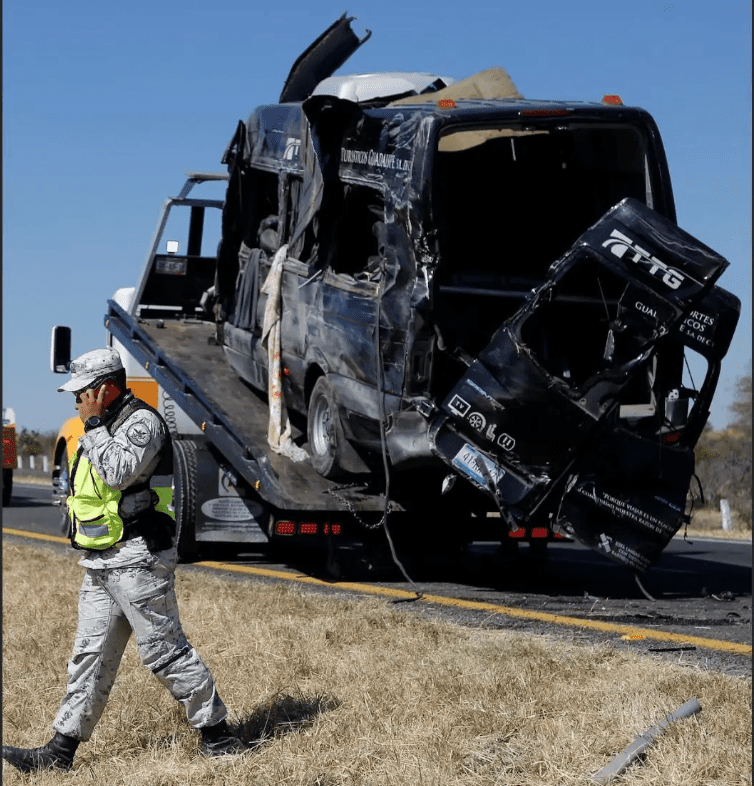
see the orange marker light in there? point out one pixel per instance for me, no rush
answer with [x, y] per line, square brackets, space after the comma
[446, 103]
[612, 99]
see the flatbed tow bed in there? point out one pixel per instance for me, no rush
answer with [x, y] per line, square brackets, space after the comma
[185, 360]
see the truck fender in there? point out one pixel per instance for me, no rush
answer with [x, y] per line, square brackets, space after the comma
[211, 505]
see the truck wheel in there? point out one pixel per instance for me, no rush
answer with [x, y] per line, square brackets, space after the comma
[184, 497]
[61, 477]
[7, 486]
[325, 431]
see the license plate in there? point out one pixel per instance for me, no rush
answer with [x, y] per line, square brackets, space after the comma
[473, 463]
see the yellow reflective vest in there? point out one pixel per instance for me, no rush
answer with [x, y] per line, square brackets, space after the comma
[92, 504]
[93, 507]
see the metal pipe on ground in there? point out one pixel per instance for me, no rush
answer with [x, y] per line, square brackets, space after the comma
[642, 742]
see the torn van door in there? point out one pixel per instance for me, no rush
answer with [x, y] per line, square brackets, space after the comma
[575, 410]
[321, 59]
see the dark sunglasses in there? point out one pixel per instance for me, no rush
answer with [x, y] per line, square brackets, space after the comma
[96, 384]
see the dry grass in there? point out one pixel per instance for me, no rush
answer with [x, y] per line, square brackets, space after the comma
[356, 692]
[707, 523]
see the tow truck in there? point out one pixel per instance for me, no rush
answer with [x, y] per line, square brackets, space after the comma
[431, 308]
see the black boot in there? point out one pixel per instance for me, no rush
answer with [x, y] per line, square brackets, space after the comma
[56, 755]
[219, 740]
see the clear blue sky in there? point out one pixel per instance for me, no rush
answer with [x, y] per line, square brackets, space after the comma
[107, 105]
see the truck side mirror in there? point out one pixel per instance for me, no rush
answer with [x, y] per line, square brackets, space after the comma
[60, 349]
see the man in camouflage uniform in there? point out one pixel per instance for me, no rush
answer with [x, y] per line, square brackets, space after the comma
[130, 559]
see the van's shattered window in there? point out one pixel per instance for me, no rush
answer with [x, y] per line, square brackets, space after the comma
[511, 201]
[354, 250]
[507, 203]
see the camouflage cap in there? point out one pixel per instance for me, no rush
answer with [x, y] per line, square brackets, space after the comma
[91, 366]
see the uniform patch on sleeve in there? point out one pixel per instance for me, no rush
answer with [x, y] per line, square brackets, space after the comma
[139, 434]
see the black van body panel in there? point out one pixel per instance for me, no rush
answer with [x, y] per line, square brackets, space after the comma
[322, 58]
[531, 418]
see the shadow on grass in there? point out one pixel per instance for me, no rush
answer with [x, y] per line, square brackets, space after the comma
[281, 714]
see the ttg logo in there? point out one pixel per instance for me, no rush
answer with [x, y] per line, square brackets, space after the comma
[620, 244]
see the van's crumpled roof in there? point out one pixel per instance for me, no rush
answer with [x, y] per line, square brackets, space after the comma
[491, 83]
[361, 88]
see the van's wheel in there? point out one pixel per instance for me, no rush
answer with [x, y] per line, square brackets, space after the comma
[325, 431]
[185, 473]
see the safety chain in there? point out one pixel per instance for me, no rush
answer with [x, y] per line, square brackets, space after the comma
[342, 487]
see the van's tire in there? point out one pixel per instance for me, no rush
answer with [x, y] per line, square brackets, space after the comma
[325, 432]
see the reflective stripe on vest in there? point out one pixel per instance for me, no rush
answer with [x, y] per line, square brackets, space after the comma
[93, 507]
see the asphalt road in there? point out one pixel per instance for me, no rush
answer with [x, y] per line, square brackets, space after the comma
[697, 594]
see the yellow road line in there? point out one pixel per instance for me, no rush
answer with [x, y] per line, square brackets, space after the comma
[34, 535]
[508, 611]
[470, 605]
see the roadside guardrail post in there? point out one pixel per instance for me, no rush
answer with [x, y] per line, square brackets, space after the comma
[725, 511]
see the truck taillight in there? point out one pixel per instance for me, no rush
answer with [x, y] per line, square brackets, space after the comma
[673, 436]
[535, 533]
[288, 527]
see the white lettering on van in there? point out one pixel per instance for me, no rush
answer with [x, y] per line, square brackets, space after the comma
[374, 159]
[619, 244]
[646, 309]
[695, 326]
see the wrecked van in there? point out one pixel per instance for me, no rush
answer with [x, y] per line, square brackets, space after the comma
[477, 286]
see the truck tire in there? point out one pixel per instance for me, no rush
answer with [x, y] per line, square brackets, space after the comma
[61, 476]
[7, 486]
[325, 431]
[184, 497]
